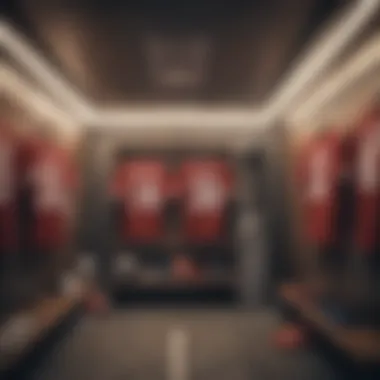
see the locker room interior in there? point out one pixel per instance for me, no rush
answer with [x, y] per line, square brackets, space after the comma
[272, 107]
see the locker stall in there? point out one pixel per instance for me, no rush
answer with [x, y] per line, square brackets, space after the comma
[335, 175]
[40, 190]
[171, 233]
[168, 253]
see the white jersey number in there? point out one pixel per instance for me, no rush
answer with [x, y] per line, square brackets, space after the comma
[207, 193]
[147, 196]
[319, 181]
[50, 188]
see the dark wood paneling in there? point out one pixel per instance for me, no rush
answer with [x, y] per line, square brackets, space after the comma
[98, 45]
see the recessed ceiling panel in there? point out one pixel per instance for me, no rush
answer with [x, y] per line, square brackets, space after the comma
[151, 51]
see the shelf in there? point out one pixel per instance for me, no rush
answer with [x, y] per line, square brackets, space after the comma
[21, 332]
[152, 283]
[360, 343]
[157, 250]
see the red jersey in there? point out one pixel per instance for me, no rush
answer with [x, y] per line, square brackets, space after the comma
[319, 170]
[142, 186]
[366, 179]
[207, 188]
[52, 179]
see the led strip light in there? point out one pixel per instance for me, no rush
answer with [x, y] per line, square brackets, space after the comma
[34, 102]
[326, 49]
[365, 61]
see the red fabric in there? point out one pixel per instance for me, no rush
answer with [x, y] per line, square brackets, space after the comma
[366, 220]
[290, 337]
[206, 187]
[185, 269]
[367, 176]
[96, 302]
[53, 181]
[142, 186]
[318, 175]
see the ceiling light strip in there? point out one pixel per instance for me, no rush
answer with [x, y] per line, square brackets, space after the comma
[187, 117]
[321, 54]
[42, 71]
[367, 60]
[38, 105]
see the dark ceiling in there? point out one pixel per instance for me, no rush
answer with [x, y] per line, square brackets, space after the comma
[100, 45]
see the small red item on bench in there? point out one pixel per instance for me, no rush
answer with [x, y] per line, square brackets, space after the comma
[96, 302]
[290, 336]
[184, 269]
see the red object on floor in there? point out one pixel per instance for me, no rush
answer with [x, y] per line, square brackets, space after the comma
[184, 268]
[290, 337]
[96, 302]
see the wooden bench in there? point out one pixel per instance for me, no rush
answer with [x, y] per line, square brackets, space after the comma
[21, 332]
[362, 344]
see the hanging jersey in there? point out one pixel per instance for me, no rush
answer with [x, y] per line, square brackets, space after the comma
[318, 180]
[366, 180]
[141, 186]
[52, 179]
[207, 188]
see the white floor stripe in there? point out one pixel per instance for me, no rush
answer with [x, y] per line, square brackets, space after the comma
[177, 355]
